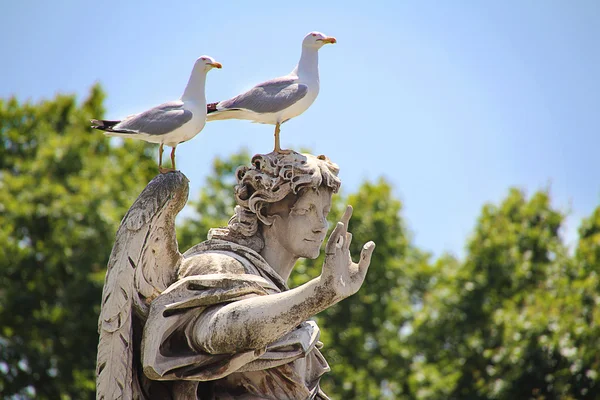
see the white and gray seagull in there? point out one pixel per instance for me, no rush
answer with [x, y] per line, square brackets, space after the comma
[170, 123]
[278, 100]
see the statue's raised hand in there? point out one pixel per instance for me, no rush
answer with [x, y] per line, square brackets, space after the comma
[340, 276]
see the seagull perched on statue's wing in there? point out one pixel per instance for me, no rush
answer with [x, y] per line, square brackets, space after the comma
[169, 123]
[278, 100]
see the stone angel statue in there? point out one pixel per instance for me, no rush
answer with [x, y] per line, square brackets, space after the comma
[219, 321]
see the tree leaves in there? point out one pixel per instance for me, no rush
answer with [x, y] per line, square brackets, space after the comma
[507, 322]
[63, 191]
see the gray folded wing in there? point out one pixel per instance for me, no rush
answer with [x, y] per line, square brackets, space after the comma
[158, 120]
[269, 97]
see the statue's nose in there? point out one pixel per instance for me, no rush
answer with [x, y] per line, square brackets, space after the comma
[321, 227]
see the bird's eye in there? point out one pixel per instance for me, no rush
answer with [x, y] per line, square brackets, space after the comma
[314, 35]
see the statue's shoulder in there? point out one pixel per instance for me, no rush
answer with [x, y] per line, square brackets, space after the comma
[215, 257]
[211, 263]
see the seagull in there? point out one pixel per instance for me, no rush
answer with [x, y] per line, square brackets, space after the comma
[278, 100]
[170, 123]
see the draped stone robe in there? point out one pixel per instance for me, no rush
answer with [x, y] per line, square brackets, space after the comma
[213, 274]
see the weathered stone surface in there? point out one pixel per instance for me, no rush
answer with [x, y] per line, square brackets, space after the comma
[219, 321]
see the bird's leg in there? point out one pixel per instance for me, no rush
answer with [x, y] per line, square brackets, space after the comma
[173, 158]
[160, 151]
[160, 167]
[278, 148]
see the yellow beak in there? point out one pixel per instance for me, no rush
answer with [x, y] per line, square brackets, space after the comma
[329, 39]
[216, 65]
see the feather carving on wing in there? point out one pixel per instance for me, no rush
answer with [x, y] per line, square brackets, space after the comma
[143, 263]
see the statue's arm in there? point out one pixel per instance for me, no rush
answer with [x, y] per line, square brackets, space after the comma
[254, 323]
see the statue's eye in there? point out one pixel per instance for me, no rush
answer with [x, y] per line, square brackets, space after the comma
[300, 211]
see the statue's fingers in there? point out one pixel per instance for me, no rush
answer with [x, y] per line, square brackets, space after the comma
[347, 215]
[365, 257]
[335, 239]
[347, 241]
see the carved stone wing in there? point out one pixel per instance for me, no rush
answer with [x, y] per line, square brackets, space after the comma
[143, 263]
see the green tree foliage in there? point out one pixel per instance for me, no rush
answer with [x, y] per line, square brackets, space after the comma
[63, 192]
[510, 322]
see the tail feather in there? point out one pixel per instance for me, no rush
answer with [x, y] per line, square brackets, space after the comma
[213, 113]
[103, 123]
[211, 107]
[106, 125]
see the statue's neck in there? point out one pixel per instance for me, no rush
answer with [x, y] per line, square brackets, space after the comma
[281, 260]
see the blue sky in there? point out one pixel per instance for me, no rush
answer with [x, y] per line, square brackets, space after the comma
[452, 101]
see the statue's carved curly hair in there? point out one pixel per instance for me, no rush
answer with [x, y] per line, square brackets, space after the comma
[269, 179]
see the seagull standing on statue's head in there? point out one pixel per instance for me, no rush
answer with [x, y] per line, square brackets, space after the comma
[169, 123]
[278, 100]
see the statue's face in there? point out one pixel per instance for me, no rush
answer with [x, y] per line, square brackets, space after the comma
[302, 229]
